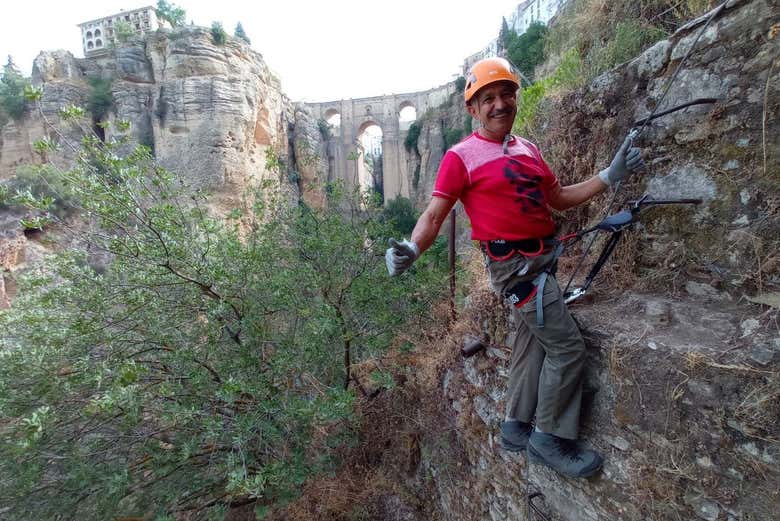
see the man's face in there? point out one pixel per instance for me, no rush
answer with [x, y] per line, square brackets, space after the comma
[495, 106]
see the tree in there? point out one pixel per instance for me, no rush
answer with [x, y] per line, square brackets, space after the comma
[239, 33]
[12, 86]
[208, 363]
[218, 34]
[123, 31]
[526, 51]
[506, 35]
[170, 13]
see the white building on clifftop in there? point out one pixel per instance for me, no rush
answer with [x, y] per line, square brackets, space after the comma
[97, 36]
[526, 13]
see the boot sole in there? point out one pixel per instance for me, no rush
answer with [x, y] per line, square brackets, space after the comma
[535, 457]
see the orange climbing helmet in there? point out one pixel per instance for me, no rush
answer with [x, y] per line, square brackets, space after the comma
[487, 71]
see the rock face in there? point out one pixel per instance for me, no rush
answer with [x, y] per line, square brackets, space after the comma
[682, 389]
[676, 401]
[210, 112]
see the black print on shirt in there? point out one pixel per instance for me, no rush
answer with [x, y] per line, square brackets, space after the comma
[527, 185]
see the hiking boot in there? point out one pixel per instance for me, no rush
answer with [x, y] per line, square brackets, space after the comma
[514, 435]
[563, 455]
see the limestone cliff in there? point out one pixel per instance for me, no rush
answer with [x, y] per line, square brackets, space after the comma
[210, 113]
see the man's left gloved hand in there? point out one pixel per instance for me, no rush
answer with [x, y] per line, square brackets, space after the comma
[400, 255]
[627, 161]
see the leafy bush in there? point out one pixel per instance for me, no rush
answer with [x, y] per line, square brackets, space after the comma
[209, 364]
[412, 135]
[42, 182]
[123, 31]
[460, 84]
[608, 33]
[401, 215]
[171, 13]
[12, 86]
[241, 34]
[568, 75]
[452, 136]
[100, 100]
[526, 51]
[218, 34]
[630, 38]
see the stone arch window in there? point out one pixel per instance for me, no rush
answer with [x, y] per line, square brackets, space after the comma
[98, 43]
[333, 117]
[97, 33]
[89, 34]
[369, 162]
[407, 115]
[90, 45]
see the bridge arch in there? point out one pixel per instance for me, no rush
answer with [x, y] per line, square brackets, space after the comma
[356, 115]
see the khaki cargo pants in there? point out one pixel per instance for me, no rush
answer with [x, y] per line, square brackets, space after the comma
[546, 368]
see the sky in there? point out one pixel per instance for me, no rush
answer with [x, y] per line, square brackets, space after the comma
[321, 51]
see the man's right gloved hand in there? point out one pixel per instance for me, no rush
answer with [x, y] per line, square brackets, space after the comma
[400, 255]
[627, 161]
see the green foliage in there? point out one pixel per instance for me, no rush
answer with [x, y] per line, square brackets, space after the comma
[526, 51]
[401, 215]
[325, 129]
[218, 34]
[42, 183]
[208, 361]
[412, 135]
[606, 34]
[170, 13]
[628, 41]
[239, 33]
[460, 84]
[123, 31]
[12, 88]
[567, 76]
[100, 100]
[452, 136]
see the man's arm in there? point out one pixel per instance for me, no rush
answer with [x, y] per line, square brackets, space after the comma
[565, 197]
[626, 161]
[429, 223]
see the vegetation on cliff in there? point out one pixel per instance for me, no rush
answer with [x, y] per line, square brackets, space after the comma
[173, 362]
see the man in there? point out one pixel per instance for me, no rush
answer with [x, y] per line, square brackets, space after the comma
[507, 191]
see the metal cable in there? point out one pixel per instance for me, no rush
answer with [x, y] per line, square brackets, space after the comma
[637, 133]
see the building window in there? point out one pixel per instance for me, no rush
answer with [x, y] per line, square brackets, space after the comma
[97, 33]
[89, 45]
[127, 18]
[89, 34]
[98, 43]
[138, 26]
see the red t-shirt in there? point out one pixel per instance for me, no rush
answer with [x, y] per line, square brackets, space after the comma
[505, 196]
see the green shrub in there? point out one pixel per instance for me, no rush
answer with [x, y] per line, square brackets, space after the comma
[100, 100]
[123, 31]
[171, 13]
[218, 34]
[412, 135]
[526, 51]
[628, 41]
[12, 85]
[401, 215]
[209, 362]
[452, 136]
[44, 181]
[241, 34]
[460, 84]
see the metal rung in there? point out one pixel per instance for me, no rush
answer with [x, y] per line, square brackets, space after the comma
[536, 509]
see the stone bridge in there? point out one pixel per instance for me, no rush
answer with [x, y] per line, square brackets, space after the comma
[346, 157]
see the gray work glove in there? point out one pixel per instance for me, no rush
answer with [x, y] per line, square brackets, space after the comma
[400, 255]
[627, 161]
